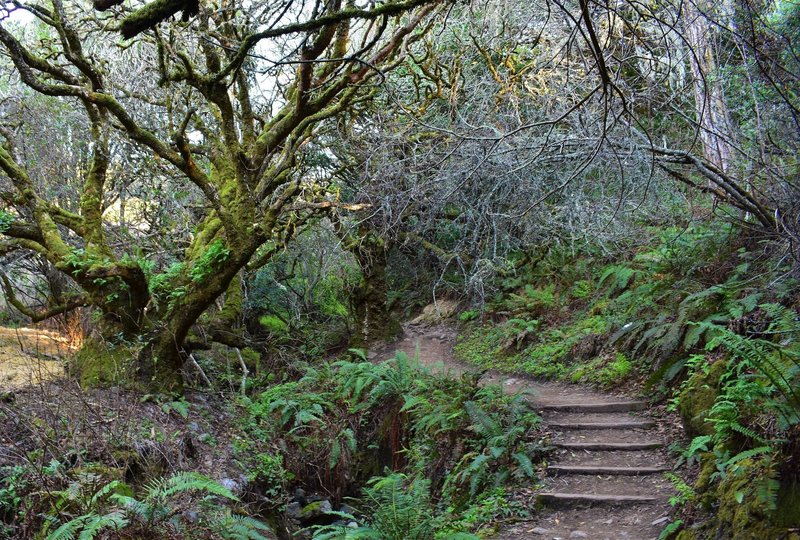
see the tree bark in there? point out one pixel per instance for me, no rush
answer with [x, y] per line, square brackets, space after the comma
[713, 118]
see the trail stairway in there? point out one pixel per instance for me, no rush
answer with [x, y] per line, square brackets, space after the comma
[605, 480]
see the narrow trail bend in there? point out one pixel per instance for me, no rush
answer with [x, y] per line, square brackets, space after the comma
[606, 480]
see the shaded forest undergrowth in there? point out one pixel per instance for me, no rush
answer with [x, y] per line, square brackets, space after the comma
[702, 318]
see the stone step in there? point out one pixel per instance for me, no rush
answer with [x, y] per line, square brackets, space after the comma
[592, 498]
[609, 445]
[609, 407]
[621, 424]
[600, 470]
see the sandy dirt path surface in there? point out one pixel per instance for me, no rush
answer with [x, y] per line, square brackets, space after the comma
[606, 480]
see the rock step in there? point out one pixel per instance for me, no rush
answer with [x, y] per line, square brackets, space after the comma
[592, 498]
[621, 424]
[625, 446]
[609, 407]
[602, 470]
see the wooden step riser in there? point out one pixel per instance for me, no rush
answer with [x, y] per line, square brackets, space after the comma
[604, 471]
[601, 425]
[626, 406]
[609, 446]
[565, 499]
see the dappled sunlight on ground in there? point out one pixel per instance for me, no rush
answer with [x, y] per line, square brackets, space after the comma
[30, 355]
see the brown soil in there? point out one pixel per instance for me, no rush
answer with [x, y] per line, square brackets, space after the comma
[433, 347]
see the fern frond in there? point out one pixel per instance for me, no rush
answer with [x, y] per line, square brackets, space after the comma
[484, 423]
[68, 530]
[113, 520]
[192, 481]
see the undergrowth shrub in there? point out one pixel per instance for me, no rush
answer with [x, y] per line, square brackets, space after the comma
[345, 423]
[166, 507]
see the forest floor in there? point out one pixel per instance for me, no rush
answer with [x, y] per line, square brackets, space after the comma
[606, 479]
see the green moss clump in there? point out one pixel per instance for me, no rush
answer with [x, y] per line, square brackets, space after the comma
[741, 513]
[696, 400]
[787, 511]
[100, 364]
[736, 507]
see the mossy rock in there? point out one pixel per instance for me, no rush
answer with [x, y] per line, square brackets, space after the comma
[735, 509]
[703, 484]
[98, 364]
[696, 400]
[787, 512]
[741, 513]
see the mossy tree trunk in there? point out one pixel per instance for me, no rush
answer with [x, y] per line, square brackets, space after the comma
[374, 320]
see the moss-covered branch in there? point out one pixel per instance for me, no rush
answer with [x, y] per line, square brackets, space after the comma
[41, 314]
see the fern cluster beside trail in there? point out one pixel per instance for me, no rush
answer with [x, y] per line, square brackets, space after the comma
[165, 509]
[705, 316]
[441, 449]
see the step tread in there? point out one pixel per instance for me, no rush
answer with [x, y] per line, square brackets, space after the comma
[622, 424]
[594, 497]
[649, 445]
[600, 407]
[599, 469]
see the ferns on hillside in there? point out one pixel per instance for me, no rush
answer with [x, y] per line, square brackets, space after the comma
[156, 512]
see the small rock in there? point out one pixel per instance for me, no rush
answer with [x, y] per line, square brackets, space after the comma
[315, 509]
[539, 530]
[578, 534]
[352, 525]
[191, 516]
[294, 510]
[194, 426]
[230, 483]
[371, 355]
[660, 520]
[345, 509]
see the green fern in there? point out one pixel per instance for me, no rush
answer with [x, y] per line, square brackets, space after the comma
[89, 526]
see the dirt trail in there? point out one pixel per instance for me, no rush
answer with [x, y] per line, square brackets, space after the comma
[30, 355]
[606, 480]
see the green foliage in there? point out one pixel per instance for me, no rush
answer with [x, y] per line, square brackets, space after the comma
[671, 528]
[180, 407]
[685, 493]
[582, 289]
[531, 301]
[399, 508]
[273, 324]
[6, 220]
[12, 485]
[604, 372]
[329, 421]
[158, 512]
[213, 257]
[468, 315]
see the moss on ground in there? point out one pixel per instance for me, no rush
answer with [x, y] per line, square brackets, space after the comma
[99, 364]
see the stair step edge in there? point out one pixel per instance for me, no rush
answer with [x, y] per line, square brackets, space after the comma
[616, 406]
[602, 425]
[603, 470]
[609, 446]
[593, 497]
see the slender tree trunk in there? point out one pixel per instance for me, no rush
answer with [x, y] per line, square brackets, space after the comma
[373, 318]
[711, 108]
